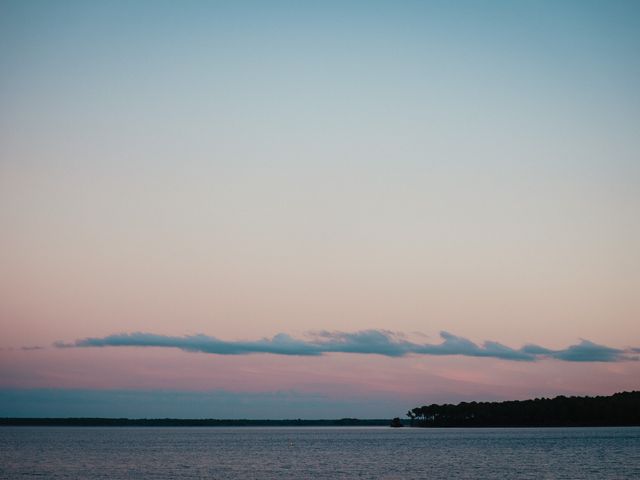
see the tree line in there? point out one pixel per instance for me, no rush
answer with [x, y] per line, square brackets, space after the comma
[620, 409]
[188, 422]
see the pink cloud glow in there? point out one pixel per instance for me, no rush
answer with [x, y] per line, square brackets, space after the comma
[412, 378]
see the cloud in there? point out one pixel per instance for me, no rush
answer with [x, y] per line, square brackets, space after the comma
[378, 342]
[587, 351]
[455, 345]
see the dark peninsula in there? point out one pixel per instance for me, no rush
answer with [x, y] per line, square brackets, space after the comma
[620, 409]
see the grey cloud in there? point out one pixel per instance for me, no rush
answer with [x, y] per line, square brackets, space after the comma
[587, 351]
[536, 350]
[281, 344]
[379, 342]
[455, 345]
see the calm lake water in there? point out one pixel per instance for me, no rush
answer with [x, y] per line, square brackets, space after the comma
[319, 453]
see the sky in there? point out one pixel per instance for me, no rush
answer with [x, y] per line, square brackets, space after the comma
[248, 209]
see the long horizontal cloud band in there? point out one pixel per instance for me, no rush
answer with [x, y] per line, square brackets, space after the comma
[378, 342]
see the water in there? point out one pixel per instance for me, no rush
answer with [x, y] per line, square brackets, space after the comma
[319, 453]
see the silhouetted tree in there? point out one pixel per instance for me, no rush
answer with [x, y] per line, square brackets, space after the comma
[618, 409]
[411, 416]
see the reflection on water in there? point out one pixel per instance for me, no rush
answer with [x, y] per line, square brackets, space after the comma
[319, 453]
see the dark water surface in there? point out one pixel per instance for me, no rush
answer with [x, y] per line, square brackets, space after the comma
[319, 453]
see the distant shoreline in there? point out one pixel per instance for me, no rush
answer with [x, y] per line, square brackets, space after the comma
[196, 423]
[188, 422]
[618, 410]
